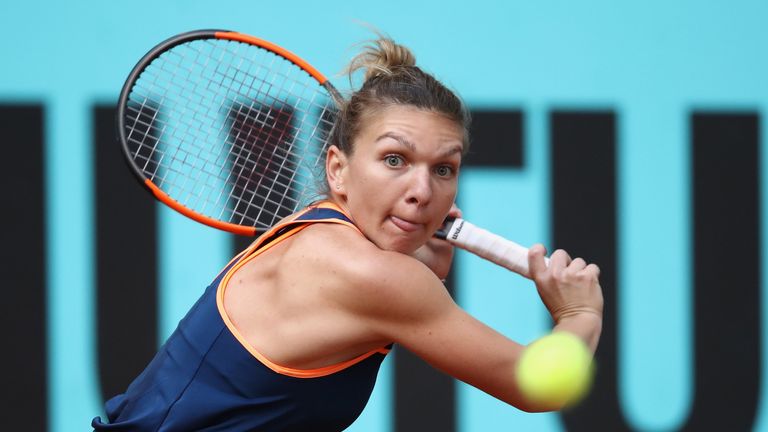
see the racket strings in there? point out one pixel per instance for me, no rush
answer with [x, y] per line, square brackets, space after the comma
[147, 124]
[272, 129]
[189, 127]
[229, 130]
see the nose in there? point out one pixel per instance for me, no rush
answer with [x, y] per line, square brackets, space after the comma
[420, 187]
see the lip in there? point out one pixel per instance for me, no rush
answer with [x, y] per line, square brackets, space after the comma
[405, 225]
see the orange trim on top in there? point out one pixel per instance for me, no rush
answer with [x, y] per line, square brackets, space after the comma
[186, 211]
[275, 49]
[237, 257]
[334, 206]
[247, 256]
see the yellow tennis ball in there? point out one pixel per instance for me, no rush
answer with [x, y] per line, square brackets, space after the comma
[555, 370]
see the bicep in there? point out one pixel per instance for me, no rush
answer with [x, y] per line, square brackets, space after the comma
[418, 314]
[458, 344]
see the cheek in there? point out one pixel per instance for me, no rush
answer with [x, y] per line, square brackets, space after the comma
[447, 198]
[362, 184]
[448, 191]
[364, 190]
[370, 181]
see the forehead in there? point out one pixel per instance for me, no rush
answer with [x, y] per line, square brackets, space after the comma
[413, 122]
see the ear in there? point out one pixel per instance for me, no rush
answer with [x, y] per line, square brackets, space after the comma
[335, 170]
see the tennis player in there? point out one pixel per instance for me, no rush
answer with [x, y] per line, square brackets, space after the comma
[290, 335]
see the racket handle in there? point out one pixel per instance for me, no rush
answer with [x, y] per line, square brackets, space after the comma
[486, 244]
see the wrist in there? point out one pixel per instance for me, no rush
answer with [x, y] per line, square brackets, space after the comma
[587, 325]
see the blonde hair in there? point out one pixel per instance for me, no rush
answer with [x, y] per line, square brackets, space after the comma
[380, 57]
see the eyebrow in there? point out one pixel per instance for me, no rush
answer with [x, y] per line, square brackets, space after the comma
[412, 147]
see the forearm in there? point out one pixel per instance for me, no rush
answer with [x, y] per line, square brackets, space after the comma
[585, 325]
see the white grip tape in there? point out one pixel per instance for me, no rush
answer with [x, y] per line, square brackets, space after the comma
[490, 246]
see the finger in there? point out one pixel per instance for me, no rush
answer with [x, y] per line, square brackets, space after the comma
[536, 263]
[436, 243]
[455, 211]
[577, 264]
[559, 261]
[594, 269]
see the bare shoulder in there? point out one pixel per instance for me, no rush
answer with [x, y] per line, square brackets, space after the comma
[376, 284]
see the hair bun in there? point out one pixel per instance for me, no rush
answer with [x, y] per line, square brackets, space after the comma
[381, 56]
[392, 79]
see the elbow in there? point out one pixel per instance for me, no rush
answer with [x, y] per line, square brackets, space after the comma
[518, 401]
[537, 408]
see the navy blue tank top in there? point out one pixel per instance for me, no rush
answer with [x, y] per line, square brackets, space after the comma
[206, 377]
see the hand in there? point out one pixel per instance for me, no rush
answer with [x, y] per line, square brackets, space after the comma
[567, 286]
[437, 254]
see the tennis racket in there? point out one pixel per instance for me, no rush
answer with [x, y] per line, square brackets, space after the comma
[232, 131]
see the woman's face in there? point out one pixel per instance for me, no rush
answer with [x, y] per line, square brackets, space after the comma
[400, 181]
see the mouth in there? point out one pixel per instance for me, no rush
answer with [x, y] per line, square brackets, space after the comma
[405, 225]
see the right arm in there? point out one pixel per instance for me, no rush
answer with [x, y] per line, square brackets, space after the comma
[411, 307]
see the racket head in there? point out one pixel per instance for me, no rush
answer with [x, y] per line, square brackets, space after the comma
[227, 129]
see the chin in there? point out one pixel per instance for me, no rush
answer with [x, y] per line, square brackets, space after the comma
[395, 245]
[394, 241]
[405, 247]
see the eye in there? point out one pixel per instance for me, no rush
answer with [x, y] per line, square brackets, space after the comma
[444, 171]
[393, 160]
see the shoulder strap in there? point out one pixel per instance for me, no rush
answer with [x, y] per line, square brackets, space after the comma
[322, 212]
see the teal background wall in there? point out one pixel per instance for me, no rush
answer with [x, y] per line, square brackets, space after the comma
[651, 62]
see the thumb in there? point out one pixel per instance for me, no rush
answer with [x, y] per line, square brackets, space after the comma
[536, 262]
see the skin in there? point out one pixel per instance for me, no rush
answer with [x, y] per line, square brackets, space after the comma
[328, 294]
[417, 155]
